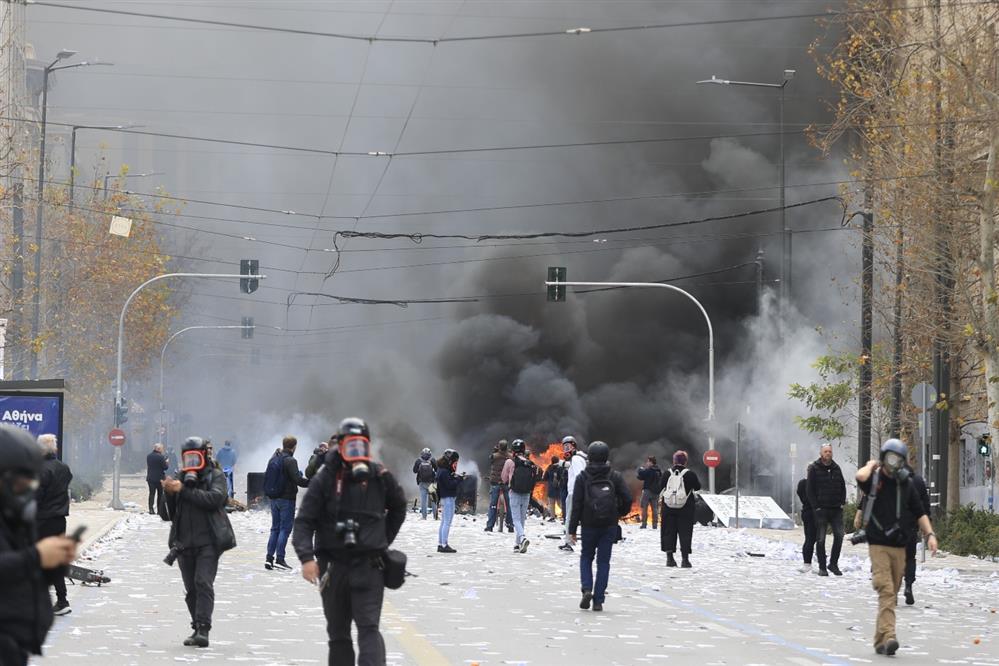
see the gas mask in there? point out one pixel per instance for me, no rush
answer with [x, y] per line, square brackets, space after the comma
[896, 465]
[17, 498]
[355, 451]
[191, 464]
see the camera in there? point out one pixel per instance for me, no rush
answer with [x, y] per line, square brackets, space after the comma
[860, 536]
[171, 557]
[348, 529]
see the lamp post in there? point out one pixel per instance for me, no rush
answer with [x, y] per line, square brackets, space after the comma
[40, 203]
[118, 405]
[72, 153]
[107, 177]
[711, 348]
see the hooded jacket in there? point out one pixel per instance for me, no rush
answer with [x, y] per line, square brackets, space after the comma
[581, 514]
[25, 607]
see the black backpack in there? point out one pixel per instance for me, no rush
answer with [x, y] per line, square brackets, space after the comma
[425, 472]
[524, 476]
[600, 503]
[274, 477]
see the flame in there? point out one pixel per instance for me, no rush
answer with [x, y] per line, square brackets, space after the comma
[544, 460]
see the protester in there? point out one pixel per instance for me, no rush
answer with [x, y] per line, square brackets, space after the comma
[349, 518]
[679, 501]
[226, 459]
[317, 459]
[910, 548]
[52, 498]
[576, 461]
[892, 509]
[156, 467]
[808, 523]
[425, 469]
[497, 489]
[601, 498]
[199, 534]
[651, 477]
[448, 481]
[282, 479]
[520, 474]
[25, 606]
[553, 488]
[826, 491]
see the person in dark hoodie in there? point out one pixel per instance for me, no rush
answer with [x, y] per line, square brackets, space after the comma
[679, 502]
[600, 498]
[25, 606]
[826, 491]
[52, 498]
[448, 481]
[651, 477]
[808, 523]
[919, 484]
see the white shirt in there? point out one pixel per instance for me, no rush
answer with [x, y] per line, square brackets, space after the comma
[576, 465]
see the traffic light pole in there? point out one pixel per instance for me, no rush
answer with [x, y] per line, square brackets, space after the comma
[116, 503]
[711, 349]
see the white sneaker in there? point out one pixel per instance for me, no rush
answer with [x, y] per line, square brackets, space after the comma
[805, 568]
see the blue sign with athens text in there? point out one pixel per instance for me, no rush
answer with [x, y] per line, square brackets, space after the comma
[37, 414]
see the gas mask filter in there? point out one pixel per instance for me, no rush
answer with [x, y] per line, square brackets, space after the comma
[355, 451]
[17, 498]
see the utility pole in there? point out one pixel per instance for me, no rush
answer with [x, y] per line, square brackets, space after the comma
[895, 427]
[17, 283]
[866, 333]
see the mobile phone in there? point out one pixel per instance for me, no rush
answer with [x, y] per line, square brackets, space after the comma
[78, 533]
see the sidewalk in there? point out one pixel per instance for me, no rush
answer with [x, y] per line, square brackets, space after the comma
[97, 515]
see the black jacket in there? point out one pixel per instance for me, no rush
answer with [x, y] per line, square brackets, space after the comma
[197, 513]
[447, 482]
[293, 479]
[806, 506]
[25, 607]
[156, 465]
[651, 478]
[825, 486]
[53, 489]
[581, 511]
[378, 505]
[433, 467]
[897, 508]
[690, 484]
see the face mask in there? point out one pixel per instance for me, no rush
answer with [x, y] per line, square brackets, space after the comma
[17, 499]
[894, 462]
[192, 462]
[355, 449]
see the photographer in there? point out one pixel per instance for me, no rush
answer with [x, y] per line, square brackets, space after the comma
[891, 510]
[347, 520]
[200, 532]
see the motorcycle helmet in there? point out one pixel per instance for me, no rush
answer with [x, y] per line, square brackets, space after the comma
[598, 452]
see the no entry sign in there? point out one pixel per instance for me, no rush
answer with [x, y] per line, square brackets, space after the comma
[711, 458]
[117, 437]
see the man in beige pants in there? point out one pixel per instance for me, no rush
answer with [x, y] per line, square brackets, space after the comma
[896, 508]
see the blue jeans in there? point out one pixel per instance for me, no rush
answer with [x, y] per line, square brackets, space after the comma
[447, 513]
[425, 500]
[282, 520]
[494, 493]
[229, 481]
[596, 541]
[518, 508]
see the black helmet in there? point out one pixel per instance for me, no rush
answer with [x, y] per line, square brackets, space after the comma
[450, 455]
[598, 452]
[19, 453]
[569, 440]
[353, 427]
[518, 446]
[194, 444]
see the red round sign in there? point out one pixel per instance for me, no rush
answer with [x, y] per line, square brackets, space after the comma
[712, 458]
[117, 437]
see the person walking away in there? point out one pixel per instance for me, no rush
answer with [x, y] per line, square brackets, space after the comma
[808, 523]
[910, 548]
[497, 459]
[52, 498]
[317, 459]
[448, 481]
[156, 467]
[226, 459]
[425, 469]
[576, 460]
[281, 483]
[678, 510]
[25, 606]
[601, 498]
[521, 475]
[826, 491]
[349, 517]
[553, 490]
[891, 510]
[200, 532]
[651, 477]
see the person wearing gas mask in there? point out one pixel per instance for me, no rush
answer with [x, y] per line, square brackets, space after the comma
[25, 606]
[891, 510]
[200, 532]
[448, 482]
[425, 469]
[576, 461]
[317, 459]
[349, 517]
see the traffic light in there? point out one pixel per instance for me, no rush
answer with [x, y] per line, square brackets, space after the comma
[985, 446]
[556, 293]
[121, 412]
[248, 267]
[247, 332]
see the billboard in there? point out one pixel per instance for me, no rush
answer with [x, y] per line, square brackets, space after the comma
[38, 413]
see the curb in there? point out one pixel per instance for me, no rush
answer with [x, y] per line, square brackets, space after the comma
[96, 536]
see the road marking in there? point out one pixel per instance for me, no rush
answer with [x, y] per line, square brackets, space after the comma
[414, 644]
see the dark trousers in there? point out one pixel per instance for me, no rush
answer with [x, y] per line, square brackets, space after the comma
[910, 561]
[495, 490]
[808, 522]
[198, 567]
[55, 577]
[354, 594]
[825, 520]
[155, 495]
[674, 525]
[650, 500]
[598, 541]
[11, 654]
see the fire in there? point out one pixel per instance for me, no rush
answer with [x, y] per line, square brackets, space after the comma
[544, 460]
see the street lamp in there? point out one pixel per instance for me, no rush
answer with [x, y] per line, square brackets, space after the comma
[72, 153]
[785, 264]
[40, 204]
[108, 177]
